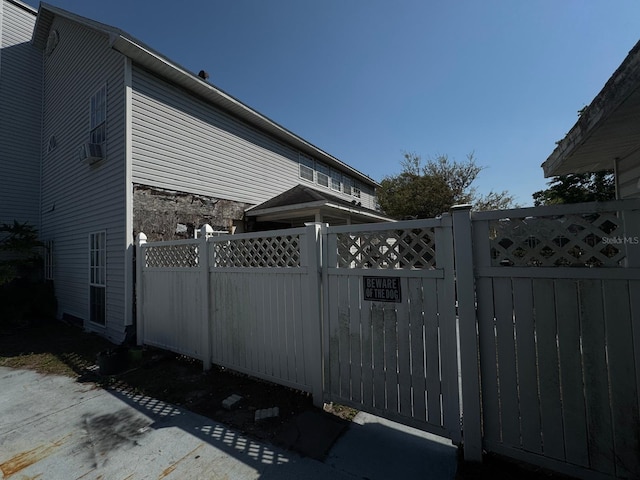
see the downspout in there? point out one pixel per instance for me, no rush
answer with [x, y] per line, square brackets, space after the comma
[616, 162]
[1, 22]
[129, 282]
[41, 149]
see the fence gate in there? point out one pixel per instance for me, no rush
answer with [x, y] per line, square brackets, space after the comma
[389, 322]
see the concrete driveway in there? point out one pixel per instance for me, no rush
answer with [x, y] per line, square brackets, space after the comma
[55, 428]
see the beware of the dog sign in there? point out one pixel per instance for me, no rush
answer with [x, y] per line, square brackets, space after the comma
[382, 289]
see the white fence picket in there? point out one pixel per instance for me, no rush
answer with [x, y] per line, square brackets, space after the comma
[624, 390]
[575, 429]
[526, 363]
[596, 385]
[418, 380]
[431, 350]
[548, 368]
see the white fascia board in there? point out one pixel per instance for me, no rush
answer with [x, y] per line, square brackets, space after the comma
[286, 208]
[320, 204]
[357, 211]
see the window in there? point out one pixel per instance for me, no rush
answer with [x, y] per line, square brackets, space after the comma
[356, 192]
[336, 181]
[306, 168]
[322, 174]
[97, 277]
[347, 184]
[98, 113]
[48, 260]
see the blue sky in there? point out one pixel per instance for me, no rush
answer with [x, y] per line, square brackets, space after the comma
[367, 80]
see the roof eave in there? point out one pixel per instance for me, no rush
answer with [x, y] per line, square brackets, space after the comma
[315, 206]
[568, 156]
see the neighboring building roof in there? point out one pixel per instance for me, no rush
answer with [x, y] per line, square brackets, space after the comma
[24, 6]
[145, 56]
[303, 200]
[608, 129]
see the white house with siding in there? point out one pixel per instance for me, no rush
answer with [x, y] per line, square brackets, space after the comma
[102, 137]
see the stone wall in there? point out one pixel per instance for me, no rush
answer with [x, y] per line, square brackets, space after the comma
[168, 215]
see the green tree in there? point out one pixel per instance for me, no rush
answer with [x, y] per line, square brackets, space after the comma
[577, 188]
[427, 189]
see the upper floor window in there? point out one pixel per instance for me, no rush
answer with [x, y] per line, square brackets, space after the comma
[347, 185]
[313, 170]
[322, 174]
[336, 181]
[98, 113]
[306, 167]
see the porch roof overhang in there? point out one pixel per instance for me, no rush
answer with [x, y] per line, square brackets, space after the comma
[305, 204]
[148, 58]
[607, 130]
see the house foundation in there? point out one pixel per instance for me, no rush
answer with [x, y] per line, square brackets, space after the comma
[170, 215]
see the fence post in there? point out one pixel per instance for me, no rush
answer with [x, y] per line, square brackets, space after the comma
[631, 218]
[631, 232]
[140, 261]
[313, 334]
[469, 360]
[203, 256]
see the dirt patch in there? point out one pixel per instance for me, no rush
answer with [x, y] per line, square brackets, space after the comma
[181, 381]
[54, 347]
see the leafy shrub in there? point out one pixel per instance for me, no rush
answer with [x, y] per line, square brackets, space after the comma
[24, 295]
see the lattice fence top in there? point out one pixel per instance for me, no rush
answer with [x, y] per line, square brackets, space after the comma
[168, 256]
[392, 249]
[573, 240]
[263, 252]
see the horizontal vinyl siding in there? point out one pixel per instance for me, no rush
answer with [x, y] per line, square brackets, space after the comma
[78, 199]
[181, 143]
[629, 178]
[20, 117]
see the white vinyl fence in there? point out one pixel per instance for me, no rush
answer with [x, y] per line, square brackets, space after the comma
[265, 306]
[172, 296]
[249, 302]
[390, 322]
[540, 305]
[558, 292]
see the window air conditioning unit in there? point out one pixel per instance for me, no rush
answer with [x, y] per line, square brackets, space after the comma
[90, 153]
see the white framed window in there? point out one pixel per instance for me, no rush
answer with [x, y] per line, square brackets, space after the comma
[347, 184]
[336, 181]
[98, 116]
[355, 191]
[48, 260]
[306, 168]
[98, 277]
[322, 174]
